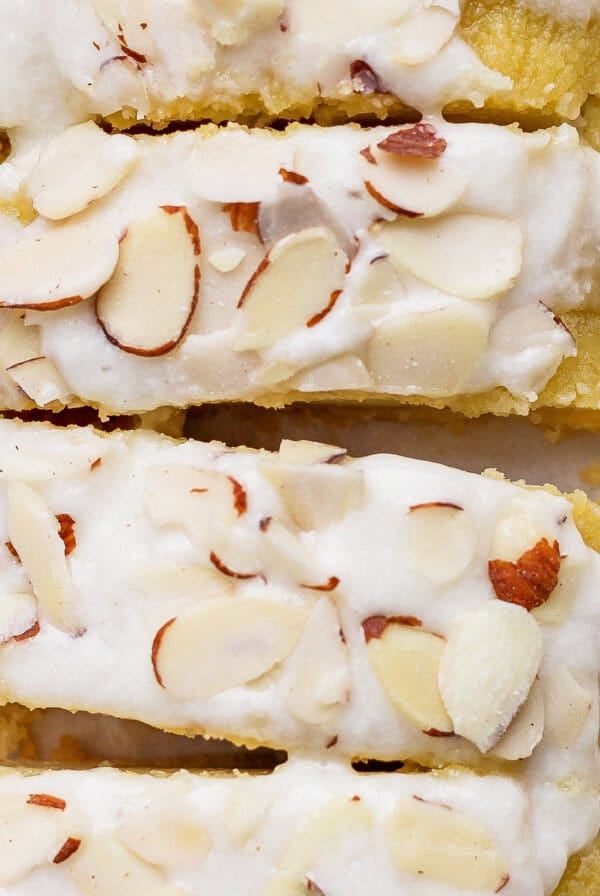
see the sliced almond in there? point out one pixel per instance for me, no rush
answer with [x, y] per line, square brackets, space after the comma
[407, 660]
[324, 834]
[421, 35]
[244, 811]
[198, 582]
[57, 267]
[30, 836]
[148, 305]
[338, 29]
[294, 283]
[170, 836]
[527, 729]
[81, 165]
[317, 672]
[227, 260]
[430, 352]
[282, 549]
[104, 867]
[302, 451]
[411, 185]
[445, 531]
[291, 211]
[487, 669]
[318, 495]
[222, 644]
[18, 342]
[380, 284]
[41, 381]
[34, 532]
[344, 373]
[443, 844]
[18, 614]
[513, 535]
[568, 706]
[471, 256]
[191, 498]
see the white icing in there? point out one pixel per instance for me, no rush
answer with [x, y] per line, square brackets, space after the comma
[124, 596]
[519, 347]
[250, 822]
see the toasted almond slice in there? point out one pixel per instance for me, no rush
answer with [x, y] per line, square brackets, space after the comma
[148, 305]
[170, 836]
[407, 660]
[104, 867]
[18, 614]
[323, 835]
[318, 495]
[304, 451]
[317, 672]
[81, 165]
[443, 531]
[527, 729]
[59, 267]
[422, 34]
[429, 352]
[34, 532]
[487, 669]
[41, 381]
[282, 549]
[287, 884]
[445, 845]
[294, 283]
[471, 256]
[568, 706]
[412, 186]
[222, 644]
[30, 836]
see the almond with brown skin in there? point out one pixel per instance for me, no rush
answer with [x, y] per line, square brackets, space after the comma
[227, 571]
[374, 626]
[243, 216]
[67, 531]
[364, 79]
[320, 315]
[47, 800]
[70, 846]
[240, 497]
[529, 581]
[421, 141]
[330, 585]
[293, 177]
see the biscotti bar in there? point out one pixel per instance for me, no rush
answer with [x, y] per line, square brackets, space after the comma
[308, 828]
[372, 608]
[264, 59]
[445, 264]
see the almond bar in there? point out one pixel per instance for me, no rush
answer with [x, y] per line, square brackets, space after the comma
[442, 264]
[138, 60]
[306, 829]
[373, 608]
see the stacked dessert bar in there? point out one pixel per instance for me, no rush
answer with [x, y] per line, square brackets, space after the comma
[428, 235]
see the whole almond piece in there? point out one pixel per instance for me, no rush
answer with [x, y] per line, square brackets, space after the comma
[491, 659]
